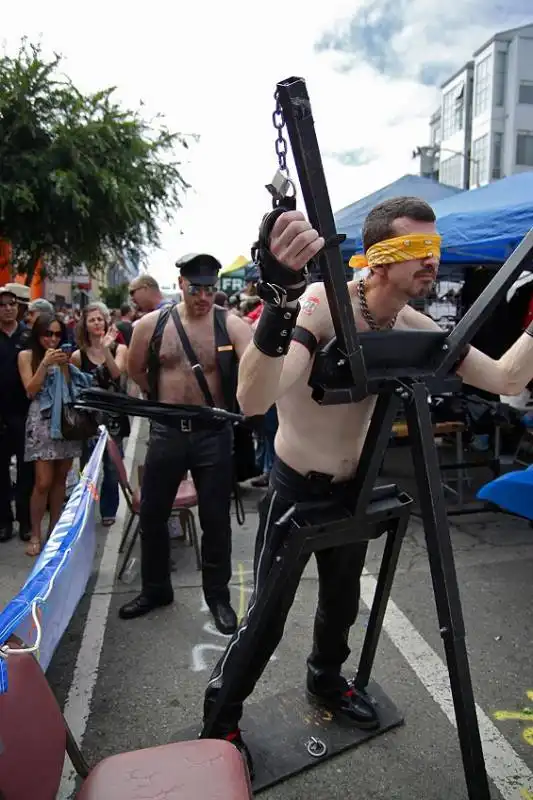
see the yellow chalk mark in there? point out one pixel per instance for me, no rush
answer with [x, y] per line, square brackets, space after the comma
[527, 736]
[522, 716]
[242, 593]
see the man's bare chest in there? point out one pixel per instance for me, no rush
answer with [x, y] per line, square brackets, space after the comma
[202, 338]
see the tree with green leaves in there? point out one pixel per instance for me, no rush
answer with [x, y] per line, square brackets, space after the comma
[114, 296]
[81, 178]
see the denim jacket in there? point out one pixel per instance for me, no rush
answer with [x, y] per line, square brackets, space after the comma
[57, 392]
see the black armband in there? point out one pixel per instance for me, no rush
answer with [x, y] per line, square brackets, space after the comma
[272, 335]
[305, 337]
[278, 285]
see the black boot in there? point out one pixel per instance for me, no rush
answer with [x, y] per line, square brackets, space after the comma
[346, 702]
[24, 532]
[6, 532]
[143, 604]
[227, 728]
[224, 616]
[236, 739]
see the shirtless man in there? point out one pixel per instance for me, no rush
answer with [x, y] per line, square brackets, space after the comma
[145, 294]
[403, 252]
[165, 373]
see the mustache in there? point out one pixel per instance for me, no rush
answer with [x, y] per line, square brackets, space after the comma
[428, 272]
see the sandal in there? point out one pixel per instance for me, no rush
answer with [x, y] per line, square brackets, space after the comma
[34, 548]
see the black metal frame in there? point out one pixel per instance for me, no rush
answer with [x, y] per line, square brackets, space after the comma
[317, 526]
[410, 386]
[354, 377]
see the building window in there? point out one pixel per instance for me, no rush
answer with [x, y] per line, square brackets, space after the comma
[524, 150]
[482, 86]
[525, 93]
[435, 133]
[453, 111]
[497, 152]
[479, 161]
[451, 171]
[459, 109]
[500, 77]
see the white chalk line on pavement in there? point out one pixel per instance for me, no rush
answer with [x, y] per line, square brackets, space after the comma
[510, 773]
[78, 705]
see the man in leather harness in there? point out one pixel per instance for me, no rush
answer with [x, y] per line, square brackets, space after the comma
[188, 354]
[318, 447]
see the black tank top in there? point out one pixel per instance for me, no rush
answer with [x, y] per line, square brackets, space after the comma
[101, 370]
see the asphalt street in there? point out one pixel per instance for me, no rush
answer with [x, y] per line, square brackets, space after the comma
[151, 673]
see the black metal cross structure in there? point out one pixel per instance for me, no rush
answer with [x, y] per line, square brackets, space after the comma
[399, 367]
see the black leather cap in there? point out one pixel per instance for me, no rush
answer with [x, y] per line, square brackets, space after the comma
[199, 268]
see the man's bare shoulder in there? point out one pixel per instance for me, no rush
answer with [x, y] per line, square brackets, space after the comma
[314, 309]
[146, 324]
[409, 317]
[239, 332]
[233, 321]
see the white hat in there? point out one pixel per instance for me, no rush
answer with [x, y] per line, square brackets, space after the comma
[21, 292]
[41, 305]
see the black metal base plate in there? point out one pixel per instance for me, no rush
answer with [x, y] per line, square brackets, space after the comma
[279, 731]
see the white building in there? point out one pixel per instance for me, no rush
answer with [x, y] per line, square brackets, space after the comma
[486, 114]
[456, 127]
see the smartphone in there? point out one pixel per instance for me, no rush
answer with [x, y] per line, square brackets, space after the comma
[67, 348]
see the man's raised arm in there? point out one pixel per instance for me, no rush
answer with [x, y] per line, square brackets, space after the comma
[268, 366]
[509, 375]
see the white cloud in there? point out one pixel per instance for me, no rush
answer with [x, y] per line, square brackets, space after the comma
[211, 68]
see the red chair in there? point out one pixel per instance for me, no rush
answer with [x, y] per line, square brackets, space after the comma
[185, 500]
[35, 737]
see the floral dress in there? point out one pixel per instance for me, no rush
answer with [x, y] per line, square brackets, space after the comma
[39, 445]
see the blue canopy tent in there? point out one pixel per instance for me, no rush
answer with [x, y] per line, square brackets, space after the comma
[350, 220]
[485, 225]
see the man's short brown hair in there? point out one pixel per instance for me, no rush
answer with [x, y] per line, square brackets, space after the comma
[145, 282]
[378, 224]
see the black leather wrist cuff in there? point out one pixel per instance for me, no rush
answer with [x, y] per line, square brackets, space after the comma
[278, 284]
[272, 335]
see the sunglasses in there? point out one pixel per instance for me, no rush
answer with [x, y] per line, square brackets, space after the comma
[137, 289]
[8, 303]
[52, 334]
[193, 289]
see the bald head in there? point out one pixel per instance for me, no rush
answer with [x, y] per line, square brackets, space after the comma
[145, 293]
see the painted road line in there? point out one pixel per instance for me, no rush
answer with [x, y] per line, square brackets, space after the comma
[510, 774]
[77, 707]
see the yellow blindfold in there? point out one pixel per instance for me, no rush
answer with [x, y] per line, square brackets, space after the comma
[401, 248]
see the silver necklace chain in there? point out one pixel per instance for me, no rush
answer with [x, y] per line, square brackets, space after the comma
[366, 313]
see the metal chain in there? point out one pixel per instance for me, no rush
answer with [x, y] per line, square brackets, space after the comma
[281, 143]
[367, 314]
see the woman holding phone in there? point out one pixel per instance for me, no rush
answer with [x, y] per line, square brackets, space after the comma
[101, 356]
[38, 368]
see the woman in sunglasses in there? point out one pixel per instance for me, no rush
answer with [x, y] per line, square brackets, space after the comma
[52, 456]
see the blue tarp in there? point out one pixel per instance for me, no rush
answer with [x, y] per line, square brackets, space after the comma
[484, 226]
[350, 220]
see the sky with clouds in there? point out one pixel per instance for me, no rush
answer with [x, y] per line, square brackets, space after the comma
[372, 69]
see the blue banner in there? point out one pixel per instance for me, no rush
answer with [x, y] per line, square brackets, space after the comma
[43, 608]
